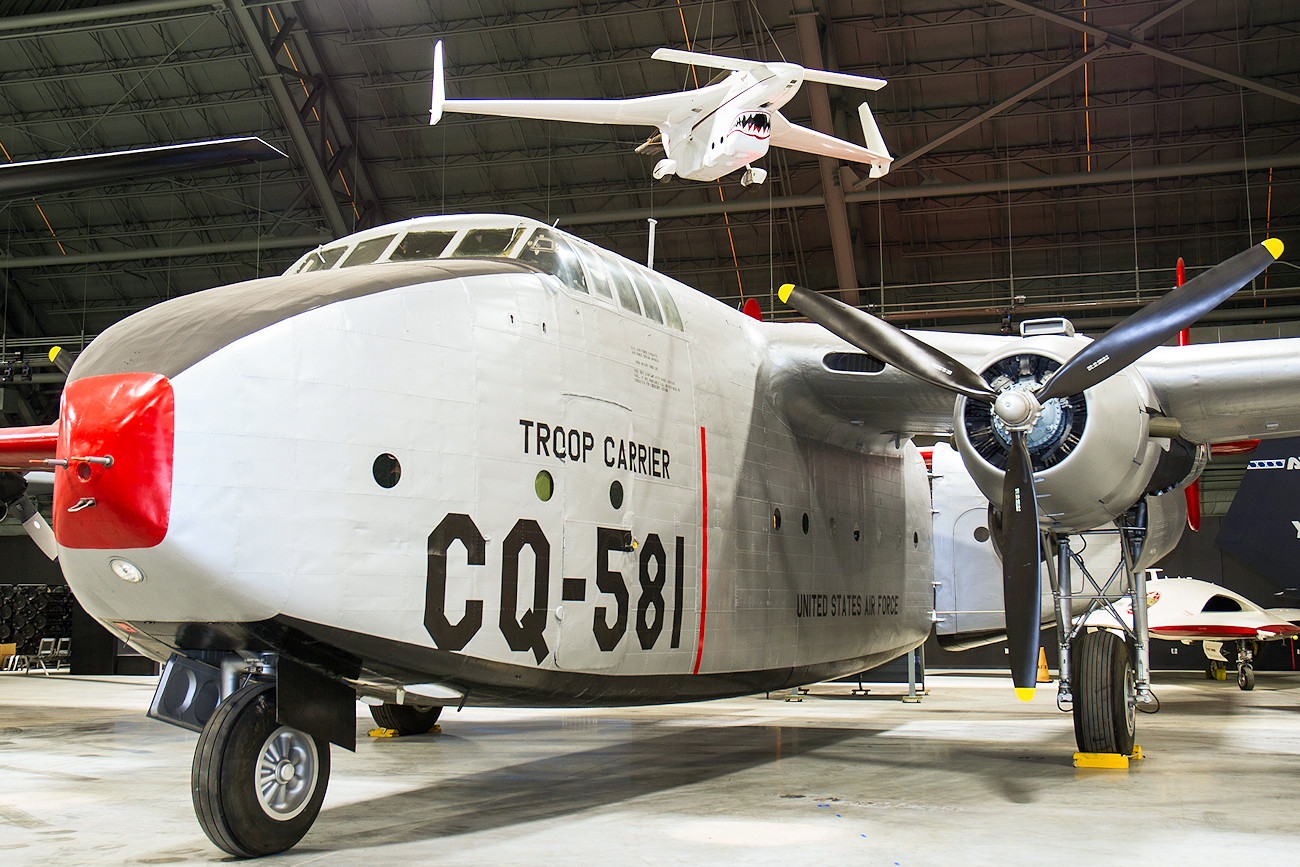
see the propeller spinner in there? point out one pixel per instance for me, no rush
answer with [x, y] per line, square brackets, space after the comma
[1019, 408]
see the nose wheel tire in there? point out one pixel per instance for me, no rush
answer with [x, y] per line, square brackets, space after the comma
[1246, 677]
[257, 785]
[405, 719]
[1105, 698]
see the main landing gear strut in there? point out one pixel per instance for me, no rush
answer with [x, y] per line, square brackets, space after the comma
[1105, 675]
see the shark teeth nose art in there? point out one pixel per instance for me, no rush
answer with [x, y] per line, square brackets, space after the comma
[755, 123]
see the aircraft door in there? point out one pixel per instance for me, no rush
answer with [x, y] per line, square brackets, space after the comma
[598, 566]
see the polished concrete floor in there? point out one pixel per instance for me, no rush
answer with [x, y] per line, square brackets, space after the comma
[967, 776]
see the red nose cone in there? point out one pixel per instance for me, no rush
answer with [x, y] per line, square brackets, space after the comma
[129, 417]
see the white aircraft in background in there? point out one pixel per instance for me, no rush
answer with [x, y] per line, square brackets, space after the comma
[707, 132]
[1188, 610]
[477, 460]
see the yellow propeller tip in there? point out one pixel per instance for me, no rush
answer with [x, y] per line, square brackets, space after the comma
[1025, 693]
[784, 292]
[1275, 247]
[55, 351]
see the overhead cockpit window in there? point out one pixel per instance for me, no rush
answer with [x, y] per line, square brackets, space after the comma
[554, 255]
[673, 318]
[417, 246]
[319, 260]
[648, 300]
[622, 285]
[597, 275]
[487, 242]
[367, 251]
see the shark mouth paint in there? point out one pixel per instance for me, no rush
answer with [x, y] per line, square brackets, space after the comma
[757, 124]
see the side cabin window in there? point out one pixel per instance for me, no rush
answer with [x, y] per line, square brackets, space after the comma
[421, 245]
[367, 251]
[320, 260]
[554, 255]
[487, 242]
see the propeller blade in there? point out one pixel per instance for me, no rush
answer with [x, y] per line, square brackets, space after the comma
[1020, 571]
[1157, 322]
[887, 343]
[36, 526]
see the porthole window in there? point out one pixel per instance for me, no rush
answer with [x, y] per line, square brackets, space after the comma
[616, 494]
[806, 523]
[544, 485]
[857, 533]
[776, 519]
[981, 534]
[387, 470]
[916, 539]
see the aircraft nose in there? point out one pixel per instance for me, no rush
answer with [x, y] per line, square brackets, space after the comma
[113, 487]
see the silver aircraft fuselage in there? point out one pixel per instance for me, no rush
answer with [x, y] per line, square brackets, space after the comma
[474, 474]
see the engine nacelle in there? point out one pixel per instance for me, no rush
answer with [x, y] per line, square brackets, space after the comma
[1093, 454]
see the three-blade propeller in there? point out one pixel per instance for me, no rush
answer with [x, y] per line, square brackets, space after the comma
[1018, 409]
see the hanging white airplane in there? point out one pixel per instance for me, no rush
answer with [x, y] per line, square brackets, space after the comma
[1188, 609]
[477, 460]
[707, 132]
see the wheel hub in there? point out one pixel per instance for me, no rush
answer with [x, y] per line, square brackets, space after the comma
[286, 773]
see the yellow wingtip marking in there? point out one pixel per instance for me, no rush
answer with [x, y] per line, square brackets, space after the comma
[1025, 693]
[55, 351]
[784, 292]
[1275, 247]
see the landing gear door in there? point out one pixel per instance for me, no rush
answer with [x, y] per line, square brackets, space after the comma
[599, 563]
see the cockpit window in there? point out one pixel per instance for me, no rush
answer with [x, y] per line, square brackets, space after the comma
[648, 300]
[622, 285]
[367, 251]
[319, 260]
[671, 315]
[487, 242]
[1221, 603]
[597, 275]
[554, 255]
[421, 245]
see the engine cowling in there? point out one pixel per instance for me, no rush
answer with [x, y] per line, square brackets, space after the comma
[1093, 455]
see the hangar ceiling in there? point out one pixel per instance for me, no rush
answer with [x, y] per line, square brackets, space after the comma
[1053, 157]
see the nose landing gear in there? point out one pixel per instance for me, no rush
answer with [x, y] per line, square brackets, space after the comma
[257, 785]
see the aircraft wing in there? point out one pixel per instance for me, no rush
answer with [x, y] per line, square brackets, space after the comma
[820, 382]
[1229, 391]
[799, 138]
[641, 111]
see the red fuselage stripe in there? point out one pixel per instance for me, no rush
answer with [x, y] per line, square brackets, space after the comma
[704, 548]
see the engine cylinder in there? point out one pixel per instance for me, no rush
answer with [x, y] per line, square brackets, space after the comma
[1092, 453]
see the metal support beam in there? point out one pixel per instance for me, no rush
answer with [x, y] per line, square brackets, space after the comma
[1019, 96]
[1131, 42]
[836, 216]
[289, 115]
[103, 13]
[364, 195]
[937, 191]
[300, 242]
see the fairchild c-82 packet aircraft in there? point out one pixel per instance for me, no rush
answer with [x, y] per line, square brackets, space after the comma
[475, 459]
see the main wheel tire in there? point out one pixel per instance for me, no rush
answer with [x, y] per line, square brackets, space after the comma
[405, 719]
[257, 785]
[1105, 699]
[1246, 677]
